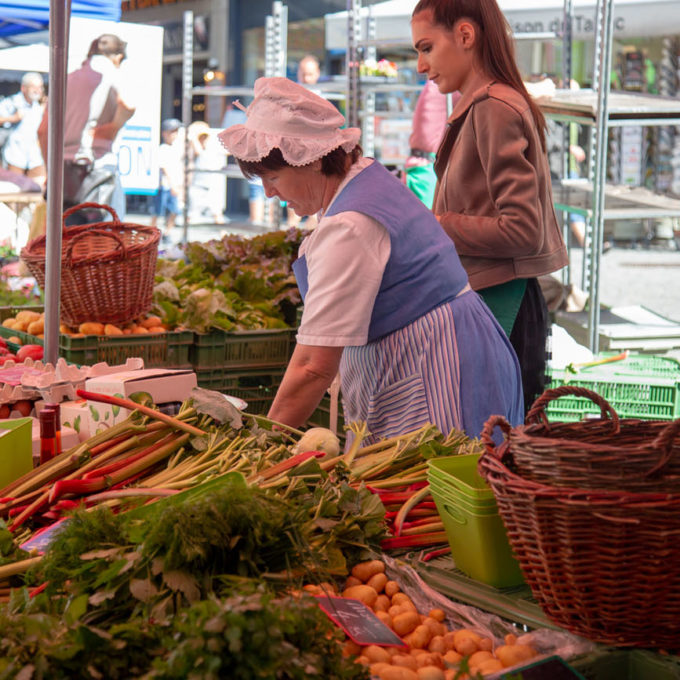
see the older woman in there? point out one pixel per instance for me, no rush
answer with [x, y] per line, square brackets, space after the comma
[386, 300]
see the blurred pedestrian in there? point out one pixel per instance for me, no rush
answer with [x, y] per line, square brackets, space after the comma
[20, 116]
[170, 196]
[97, 107]
[207, 188]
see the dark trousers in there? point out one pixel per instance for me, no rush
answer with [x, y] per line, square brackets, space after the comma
[529, 339]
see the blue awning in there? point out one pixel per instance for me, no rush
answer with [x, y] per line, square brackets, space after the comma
[19, 16]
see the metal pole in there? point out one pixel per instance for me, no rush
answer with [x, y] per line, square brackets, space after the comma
[352, 63]
[605, 29]
[60, 12]
[187, 96]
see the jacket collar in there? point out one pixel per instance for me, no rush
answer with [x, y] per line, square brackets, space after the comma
[479, 90]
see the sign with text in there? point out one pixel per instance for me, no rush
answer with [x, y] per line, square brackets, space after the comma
[359, 622]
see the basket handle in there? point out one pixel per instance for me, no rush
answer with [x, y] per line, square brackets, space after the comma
[664, 442]
[487, 431]
[536, 413]
[68, 255]
[99, 206]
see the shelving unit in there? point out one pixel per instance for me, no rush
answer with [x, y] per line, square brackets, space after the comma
[602, 110]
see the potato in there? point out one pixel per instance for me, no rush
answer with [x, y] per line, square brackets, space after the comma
[110, 329]
[377, 581]
[509, 655]
[452, 658]
[465, 641]
[151, 322]
[352, 581]
[405, 622]
[127, 331]
[377, 654]
[351, 648]
[91, 328]
[437, 645]
[420, 637]
[405, 660]
[485, 644]
[156, 329]
[403, 598]
[139, 330]
[430, 673]
[363, 661]
[429, 659]
[385, 618]
[397, 609]
[9, 323]
[36, 327]
[364, 570]
[26, 316]
[510, 639]
[490, 666]
[436, 627]
[20, 325]
[364, 593]
[478, 657]
[391, 588]
[396, 673]
[382, 603]
[66, 330]
[437, 614]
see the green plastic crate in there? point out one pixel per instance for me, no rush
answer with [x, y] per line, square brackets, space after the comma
[641, 386]
[627, 665]
[242, 349]
[158, 350]
[256, 387]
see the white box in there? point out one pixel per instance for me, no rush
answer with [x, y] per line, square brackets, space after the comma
[163, 384]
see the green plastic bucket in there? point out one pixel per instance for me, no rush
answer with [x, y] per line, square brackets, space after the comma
[445, 490]
[461, 473]
[479, 543]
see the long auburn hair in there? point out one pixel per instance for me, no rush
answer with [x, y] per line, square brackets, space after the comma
[495, 49]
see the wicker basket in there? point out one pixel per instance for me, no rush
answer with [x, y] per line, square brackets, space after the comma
[603, 564]
[604, 453]
[107, 269]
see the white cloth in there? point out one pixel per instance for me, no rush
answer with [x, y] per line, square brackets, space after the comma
[346, 255]
[287, 116]
[22, 149]
[171, 164]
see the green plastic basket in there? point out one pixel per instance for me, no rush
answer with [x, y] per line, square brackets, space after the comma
[257, 387]
[266, 348]
[479, 543]
[158, 350]
[641, 386]
[460, 472]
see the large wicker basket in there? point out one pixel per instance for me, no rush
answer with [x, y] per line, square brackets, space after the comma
[604, 453]
[604, 564]
[107, 269]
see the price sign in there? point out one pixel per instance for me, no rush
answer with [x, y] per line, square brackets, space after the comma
[359, 622]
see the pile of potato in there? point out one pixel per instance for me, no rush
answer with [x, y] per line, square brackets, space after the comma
[34, 323]
[434, 652]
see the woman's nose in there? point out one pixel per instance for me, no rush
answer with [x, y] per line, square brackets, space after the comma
[269, 191]
[421, 66]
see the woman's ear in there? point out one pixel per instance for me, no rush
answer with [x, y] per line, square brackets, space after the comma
[466, 32]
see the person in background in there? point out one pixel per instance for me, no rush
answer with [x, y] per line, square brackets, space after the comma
[493, 196]
[97, 107]
[386, 300]
[429, 122]
[170, 196]
[309, 70]
[206, 192]
[23, 112]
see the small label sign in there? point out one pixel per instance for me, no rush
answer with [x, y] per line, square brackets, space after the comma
[358, 621]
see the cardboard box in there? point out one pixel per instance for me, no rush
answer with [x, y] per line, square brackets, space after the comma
[163, 384]
[16, 458]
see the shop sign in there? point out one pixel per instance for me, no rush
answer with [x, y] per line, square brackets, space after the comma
[131, 5]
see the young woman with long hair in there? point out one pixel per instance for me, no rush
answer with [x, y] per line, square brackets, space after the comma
[493, 195]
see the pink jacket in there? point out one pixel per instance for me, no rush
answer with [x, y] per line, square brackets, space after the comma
[493, 195]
